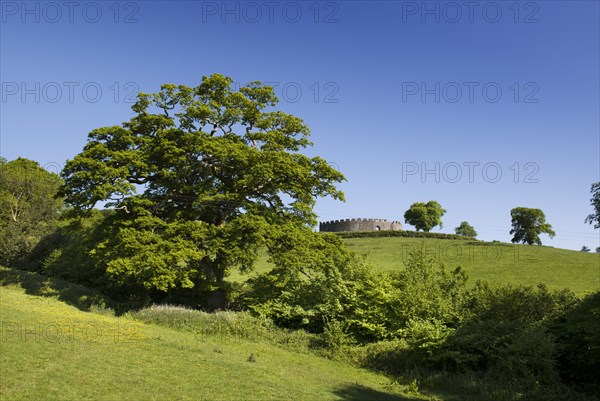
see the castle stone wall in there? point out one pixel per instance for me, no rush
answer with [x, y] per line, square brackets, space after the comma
[359, 225]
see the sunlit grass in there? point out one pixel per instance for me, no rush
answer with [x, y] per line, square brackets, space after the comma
[53, 351]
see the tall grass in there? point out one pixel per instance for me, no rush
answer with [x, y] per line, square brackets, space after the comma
[227, 325]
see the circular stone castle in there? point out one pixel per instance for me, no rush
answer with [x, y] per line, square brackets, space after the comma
[359, 225]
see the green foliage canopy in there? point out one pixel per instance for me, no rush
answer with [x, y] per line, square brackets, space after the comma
[466, 230]
[528, 224]
[424, 216]
[595, 202]
[28, 207]
[199, 177]
[577, 335]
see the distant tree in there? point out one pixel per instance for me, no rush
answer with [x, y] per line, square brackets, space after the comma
[28, 207]
[465, 229]
[595, 202]
[598, 249]
[528, 224]
[424, 216]
[585, 249]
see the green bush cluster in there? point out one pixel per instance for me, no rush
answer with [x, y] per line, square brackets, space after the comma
[577, 338]
[370, 306]
[427, 318]
[513, 343]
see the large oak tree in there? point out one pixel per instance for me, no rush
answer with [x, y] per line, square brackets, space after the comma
[199, 177]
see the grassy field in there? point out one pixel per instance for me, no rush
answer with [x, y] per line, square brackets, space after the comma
[59, 343]
[54, 351]
[491, 261]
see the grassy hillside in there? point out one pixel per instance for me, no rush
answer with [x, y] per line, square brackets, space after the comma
[494, 262]
[491, 261]
[54, 351]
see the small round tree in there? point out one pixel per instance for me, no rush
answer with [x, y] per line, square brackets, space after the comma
[466, 230]
[424, 216]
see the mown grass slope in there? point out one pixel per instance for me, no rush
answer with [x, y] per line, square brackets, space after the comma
[54, 351]
[495, 262]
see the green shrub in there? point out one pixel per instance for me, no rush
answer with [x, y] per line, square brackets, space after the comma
[505, 331]
[577, 334]
[512, 344]
[427, 293]
[393, 357]
[339, 287]
[335, 336]
[319, 281]
[425, 337]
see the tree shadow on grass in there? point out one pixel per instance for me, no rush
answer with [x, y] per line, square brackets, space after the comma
[357, 392]
[76, 295]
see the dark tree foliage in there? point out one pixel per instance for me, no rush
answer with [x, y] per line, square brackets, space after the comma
[528, 224]
[577, 335]
[28, 208]
[594, 218]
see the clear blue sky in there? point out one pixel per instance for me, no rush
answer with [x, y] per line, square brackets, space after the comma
[388, 89]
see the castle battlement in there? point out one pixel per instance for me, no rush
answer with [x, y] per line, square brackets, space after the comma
[359, 224]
